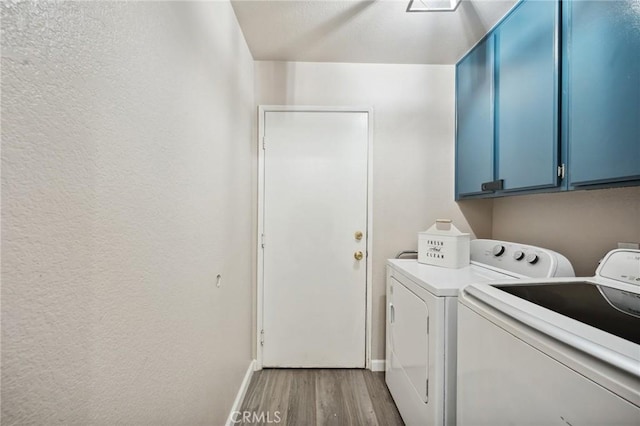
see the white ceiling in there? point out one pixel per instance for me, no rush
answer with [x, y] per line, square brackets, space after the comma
[378, 31]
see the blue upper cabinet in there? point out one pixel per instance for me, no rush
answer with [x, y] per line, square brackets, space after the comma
[547, 64]
[527, 99]
[507, 105]
[601, 108]
[474, 123]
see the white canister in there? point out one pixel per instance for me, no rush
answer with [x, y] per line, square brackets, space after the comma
[444, 245]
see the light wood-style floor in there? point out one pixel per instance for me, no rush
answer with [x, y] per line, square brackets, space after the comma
[308, 397]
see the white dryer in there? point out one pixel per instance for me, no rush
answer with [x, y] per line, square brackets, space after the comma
[421, 336]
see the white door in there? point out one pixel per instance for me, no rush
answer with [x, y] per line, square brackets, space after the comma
[315, 201]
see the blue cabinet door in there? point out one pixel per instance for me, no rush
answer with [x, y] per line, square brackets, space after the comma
[474, 119]
[602, 91]
[527, 100]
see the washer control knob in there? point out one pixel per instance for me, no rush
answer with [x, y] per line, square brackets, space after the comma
[519, 255]
[498, 250]
[532, 258]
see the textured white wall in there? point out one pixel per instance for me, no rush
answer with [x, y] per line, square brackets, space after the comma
[126, 188]
[413, 145]
[582, 225]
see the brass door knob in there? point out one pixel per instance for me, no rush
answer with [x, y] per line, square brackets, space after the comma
[358, 255]
[358, 235]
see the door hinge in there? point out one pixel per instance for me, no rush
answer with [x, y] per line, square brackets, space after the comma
[261, 337]
[561, 169]
[262, 240]
[264, 142]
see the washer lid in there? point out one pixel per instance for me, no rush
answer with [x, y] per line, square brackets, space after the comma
[609, 309]
[622, 352]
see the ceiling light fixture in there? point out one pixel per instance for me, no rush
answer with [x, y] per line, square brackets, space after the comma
[432, 5]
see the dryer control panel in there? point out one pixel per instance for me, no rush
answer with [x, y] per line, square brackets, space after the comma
[522, 259]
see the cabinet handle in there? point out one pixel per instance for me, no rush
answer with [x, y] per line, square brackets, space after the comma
[392, 313]
[495, 185]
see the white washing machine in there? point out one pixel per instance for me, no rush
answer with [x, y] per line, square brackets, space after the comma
[421, 322]
[552, 351]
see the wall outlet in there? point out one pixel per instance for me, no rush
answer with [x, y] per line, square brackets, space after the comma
[632, 246]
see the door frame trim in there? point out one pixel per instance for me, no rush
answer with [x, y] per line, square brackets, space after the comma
[262, 109]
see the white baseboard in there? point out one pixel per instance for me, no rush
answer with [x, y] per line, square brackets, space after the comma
[241, 392]
[377, 364]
